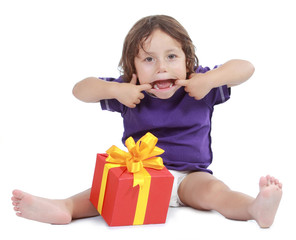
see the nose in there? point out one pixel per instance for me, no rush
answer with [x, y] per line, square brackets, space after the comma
[162, 66]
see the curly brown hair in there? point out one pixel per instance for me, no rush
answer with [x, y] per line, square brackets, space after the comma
[142, 30]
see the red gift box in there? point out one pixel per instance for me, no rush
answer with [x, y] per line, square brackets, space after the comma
[123, 198]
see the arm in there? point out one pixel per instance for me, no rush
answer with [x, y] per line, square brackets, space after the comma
[231, 73]
[93, 90]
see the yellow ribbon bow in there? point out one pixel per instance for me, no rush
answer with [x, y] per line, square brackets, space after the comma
[140, 155]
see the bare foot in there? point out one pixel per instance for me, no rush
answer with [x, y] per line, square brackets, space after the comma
[266, 204]
[40, 209]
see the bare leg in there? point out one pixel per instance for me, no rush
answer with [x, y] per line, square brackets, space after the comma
[53, 211]
[205, 192]
[81, 206]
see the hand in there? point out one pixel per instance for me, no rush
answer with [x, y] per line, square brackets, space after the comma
[198, 85]
[130, 94]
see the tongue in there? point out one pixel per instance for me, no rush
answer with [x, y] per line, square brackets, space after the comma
[163, 84]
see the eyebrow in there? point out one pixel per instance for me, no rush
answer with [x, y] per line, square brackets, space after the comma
[167, 51]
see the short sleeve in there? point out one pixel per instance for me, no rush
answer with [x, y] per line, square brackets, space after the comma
[112, 105]
[216, 95]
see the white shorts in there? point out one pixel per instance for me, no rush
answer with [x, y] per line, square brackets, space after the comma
[178, 178]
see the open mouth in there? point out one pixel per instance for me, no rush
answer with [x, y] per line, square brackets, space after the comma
[163, 84]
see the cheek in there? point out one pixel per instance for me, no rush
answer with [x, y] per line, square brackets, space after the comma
[181, 71]
[144, 75]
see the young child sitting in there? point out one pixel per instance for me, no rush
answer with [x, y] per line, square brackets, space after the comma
[163, 90]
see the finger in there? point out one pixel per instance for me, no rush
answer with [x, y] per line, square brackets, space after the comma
[137, 101]
[183, 83]
[134, 79]
[131, 105]
[141, 96]
[144, 87]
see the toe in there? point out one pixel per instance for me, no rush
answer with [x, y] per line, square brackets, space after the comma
[280, 185]
[16, 208]
[263, 182]
[272, 180]
[268, 179]
[14, 199]
[18, 214]
[18, 194]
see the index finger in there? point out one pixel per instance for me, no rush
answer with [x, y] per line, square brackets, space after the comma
[183, 83]
[144, 87]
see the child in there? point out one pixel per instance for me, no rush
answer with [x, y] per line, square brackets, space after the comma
[163, 90]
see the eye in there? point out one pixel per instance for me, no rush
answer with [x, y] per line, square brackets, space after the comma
[172, 56]
[148, 59]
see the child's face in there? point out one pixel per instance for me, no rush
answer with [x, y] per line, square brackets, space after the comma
[160, 64]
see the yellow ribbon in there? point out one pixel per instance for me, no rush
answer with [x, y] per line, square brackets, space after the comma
[140, 155]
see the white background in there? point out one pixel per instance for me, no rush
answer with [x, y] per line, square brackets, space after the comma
[49, 140]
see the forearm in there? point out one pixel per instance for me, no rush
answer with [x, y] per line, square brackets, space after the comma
[93, 90]
[232, 73]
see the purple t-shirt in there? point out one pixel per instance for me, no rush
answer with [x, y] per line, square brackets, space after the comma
[181, 124]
